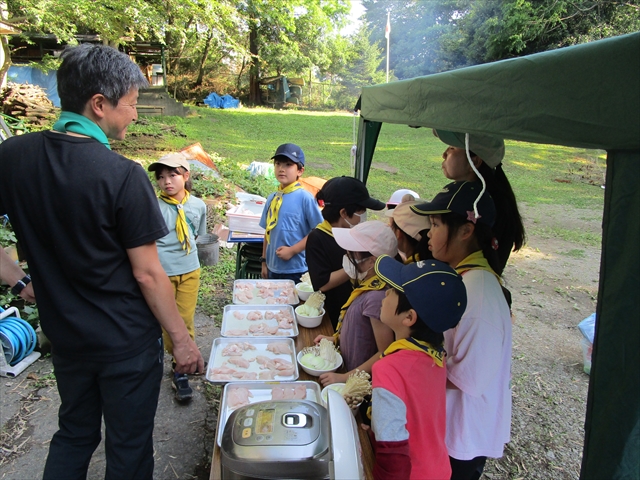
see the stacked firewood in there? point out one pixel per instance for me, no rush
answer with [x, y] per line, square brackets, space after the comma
[28, 103]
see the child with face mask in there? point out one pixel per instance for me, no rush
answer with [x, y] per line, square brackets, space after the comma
[345, 201]
[361, 334]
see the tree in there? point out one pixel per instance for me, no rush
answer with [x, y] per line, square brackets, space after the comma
[355, 63]
[116, 21]
[287, 35]
[492, 29]
[416, 29]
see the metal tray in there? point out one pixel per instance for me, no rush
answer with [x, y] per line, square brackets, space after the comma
[276, 286]
[261, 391]
[230, 323]
[260, 343]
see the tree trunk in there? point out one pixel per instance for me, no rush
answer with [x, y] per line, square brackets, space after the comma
[5, 54]
[254, 69]
[207, 45]
[244, 64]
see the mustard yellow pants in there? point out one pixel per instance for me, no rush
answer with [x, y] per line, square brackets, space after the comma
[185, 288]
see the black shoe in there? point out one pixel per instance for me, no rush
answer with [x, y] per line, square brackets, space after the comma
[181, 386]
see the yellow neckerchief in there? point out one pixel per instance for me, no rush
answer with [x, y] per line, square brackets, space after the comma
[417, 346]
[326, 228]
[182, 228]
[274, 207]
[371, 283]
[412, 259]
[476, 261]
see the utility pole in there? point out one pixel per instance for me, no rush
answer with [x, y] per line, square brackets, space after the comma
[387, 32]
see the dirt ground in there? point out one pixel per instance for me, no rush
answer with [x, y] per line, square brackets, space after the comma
[554, 285]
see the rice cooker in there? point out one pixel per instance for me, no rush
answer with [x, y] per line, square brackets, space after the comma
[292, 439]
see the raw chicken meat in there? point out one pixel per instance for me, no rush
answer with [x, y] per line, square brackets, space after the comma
[238, 314]
[269, 315]
[254, 315]
[282, 364]
[232, 350]
[239, 362]
[263, 329]
[245, 375]
[299, 392]
[238, 397]
[267, 375]
[223, 370]
[236, 349]
[237, 333]
[285, 373]
[221, 376]
[279, 348]
[241, 297]
[264, 361]
[285, 323]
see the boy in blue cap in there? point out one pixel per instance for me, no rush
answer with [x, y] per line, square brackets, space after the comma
[288, 218]
[409, 381]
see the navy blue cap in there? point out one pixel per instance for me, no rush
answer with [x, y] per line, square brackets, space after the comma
[434, 290]
[458, 197]
[292, 151]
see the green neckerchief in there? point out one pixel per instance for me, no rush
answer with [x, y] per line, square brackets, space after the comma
[417, 346]
[72, 122]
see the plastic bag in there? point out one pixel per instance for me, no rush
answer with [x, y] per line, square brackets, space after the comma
[587, 327]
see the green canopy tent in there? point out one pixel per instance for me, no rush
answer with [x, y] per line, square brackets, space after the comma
[582, 96]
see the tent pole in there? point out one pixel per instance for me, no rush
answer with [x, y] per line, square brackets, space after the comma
[612, 426]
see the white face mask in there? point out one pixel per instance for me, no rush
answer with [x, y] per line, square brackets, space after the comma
[361, 216]
[351, 270]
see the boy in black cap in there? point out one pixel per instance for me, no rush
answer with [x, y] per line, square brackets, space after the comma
[409, 381]
[345, 201]
[290, 214]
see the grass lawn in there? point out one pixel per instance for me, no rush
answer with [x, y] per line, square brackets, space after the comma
[404, 158]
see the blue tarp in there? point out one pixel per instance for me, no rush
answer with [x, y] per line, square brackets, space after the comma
[48, 81]
[214, 100]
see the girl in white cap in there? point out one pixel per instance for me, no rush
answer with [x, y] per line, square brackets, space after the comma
[486, 156]
[361, 335]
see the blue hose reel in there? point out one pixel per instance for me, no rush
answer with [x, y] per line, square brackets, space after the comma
[18, 338]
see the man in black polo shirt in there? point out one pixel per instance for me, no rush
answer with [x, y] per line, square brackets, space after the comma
[87, 220]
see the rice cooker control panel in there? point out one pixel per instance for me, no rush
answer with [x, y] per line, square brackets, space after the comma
[277, 423]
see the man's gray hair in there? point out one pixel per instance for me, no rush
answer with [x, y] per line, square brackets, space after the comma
[89, 69]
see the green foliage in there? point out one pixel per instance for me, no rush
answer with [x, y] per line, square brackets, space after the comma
[494, 29]
[206, 185]
[7, 237]
[416, 31]
[356, 65]
[115, 21]
[214, 291]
